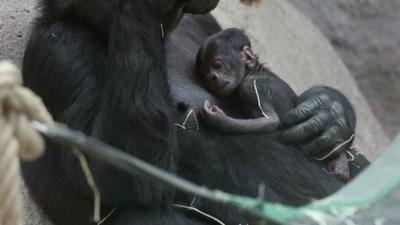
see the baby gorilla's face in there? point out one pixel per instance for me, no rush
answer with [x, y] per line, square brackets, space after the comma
[222, 74]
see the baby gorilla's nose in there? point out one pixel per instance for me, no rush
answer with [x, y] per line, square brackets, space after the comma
[214, 77]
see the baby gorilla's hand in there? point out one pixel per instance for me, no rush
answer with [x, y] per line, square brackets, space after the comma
[213, 115]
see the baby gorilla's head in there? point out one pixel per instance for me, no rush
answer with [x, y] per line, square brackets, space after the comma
[223, 61]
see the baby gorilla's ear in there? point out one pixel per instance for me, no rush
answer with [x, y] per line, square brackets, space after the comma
[249, 57]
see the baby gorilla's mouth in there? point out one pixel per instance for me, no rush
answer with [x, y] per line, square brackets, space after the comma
[221, 84]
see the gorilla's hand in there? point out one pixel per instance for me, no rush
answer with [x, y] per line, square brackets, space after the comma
[323, 122]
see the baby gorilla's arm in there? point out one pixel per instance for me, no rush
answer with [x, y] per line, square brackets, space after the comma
[216, 117]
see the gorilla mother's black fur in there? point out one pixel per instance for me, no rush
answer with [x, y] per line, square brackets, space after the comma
[100, 66]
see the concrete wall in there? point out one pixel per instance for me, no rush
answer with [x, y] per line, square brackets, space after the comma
[283, 37]
[15, 19]
[366, 34]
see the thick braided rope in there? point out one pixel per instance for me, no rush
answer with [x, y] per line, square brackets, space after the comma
[18, 106]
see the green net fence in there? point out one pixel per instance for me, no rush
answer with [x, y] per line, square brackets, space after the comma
[371, 198]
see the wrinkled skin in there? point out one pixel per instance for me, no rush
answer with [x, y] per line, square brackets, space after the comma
[220, 65]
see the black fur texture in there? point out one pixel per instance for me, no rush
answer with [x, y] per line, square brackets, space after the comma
[100, 66]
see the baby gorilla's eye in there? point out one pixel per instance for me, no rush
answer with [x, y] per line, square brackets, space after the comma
[218, 65]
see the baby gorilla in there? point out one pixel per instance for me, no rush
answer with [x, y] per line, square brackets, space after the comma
[228, 67]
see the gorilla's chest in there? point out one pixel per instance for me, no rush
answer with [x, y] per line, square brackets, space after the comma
[181, 49]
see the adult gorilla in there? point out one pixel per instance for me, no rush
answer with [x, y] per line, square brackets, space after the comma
[100, 67]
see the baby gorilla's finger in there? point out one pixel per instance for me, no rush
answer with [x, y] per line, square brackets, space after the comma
[210, 110]
[214, 109]
[217, 109]
[310, 128]
[305, 109]
[205, 110]
[206, 105]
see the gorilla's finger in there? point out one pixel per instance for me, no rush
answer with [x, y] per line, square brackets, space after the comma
[343, 140]
[336, 150]
[312, 127]
[200, 6]
[323, 144]
[305, 109]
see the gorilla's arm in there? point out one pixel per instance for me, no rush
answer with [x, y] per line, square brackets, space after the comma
[322, 120]
[116, 91]
[265, 122]
[100, 67]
